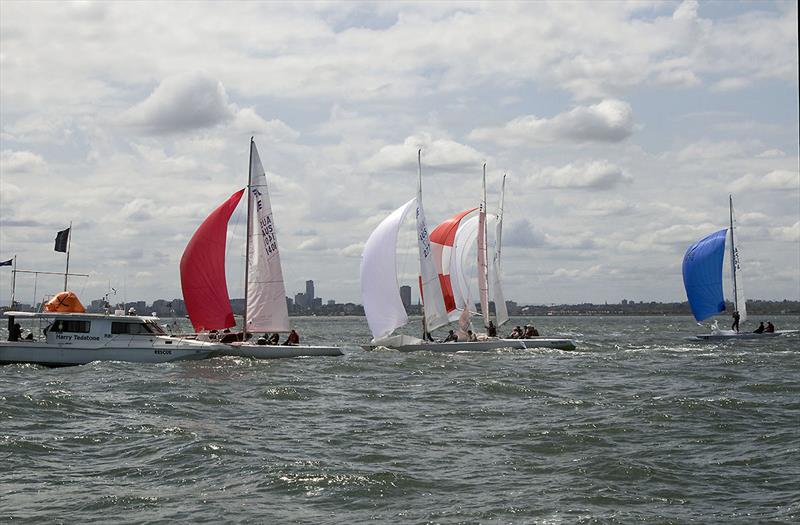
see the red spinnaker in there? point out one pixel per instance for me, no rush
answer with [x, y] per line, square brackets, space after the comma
[442, 238]
[205, 290]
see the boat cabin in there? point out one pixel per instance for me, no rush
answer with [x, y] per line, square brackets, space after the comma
[67, 328]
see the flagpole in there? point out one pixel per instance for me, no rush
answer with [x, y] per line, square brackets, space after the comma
[69, 242]
[13, 281]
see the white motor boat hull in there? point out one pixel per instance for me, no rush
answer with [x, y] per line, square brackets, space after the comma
[153, 352]
[483, 346]
[729, 335]
[279, 351]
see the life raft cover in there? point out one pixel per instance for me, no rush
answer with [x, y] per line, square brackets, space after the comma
[64, 302]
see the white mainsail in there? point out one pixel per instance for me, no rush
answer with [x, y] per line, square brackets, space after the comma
[266, 309]
[739, 301]
[432, 298]
[380, 292]
[497, 289]
[483, 272]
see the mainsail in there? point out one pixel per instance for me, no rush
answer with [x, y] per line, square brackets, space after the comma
[702, 275]
[203, 271]
[380, 292]
[432, 299]
[443, 239]
[739, 301]
[265, 295]
[497, 289]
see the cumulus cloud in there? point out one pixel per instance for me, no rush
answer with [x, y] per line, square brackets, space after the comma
[21, 162]
[182, 103]
[595, 175]
[772, 181]
[139, 209]
[607, 121]
[786, 233]
[440, 154]
[314, 244]
[521, 233]
[249, 122]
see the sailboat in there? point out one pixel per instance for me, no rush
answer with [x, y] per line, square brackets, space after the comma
[702, 279]
[205, 288]
[445, 295]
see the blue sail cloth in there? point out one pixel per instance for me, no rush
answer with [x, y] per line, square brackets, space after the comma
[702, 275]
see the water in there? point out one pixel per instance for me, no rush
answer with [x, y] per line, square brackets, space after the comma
[641, 426]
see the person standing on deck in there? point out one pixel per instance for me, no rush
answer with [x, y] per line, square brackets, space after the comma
[735, 325]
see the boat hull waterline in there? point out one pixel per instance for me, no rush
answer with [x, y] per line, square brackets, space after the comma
[483, 346]
[279, 352]
[42, 353]
[731, 336]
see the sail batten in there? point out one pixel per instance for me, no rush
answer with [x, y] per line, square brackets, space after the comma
[702, 275]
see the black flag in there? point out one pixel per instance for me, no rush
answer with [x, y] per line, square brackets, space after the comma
[61, 240]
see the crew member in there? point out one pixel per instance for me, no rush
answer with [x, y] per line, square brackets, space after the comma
[770, 329]
[760, 329]
[491, 330]
[735, 325]
[451, 337]
[293, 339]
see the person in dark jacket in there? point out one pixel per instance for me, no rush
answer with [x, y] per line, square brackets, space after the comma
[491, 330]
[15, 333]
[451, 337]
[760, 329]
[735, 325]
[293, 339]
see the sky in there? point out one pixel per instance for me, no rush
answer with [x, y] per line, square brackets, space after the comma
[622, 128]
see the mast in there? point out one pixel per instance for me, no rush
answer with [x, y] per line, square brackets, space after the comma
[733, 258]
[483, 267]
[419, 203]
[13, 281]
[247, 242]
[69, 242]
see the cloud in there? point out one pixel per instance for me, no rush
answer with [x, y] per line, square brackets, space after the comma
[352, 250]
[607, 121]
[182, 103]
[772, 181]
[521, 233]
[249, 122]
[139, 209]
[21, 162]
[595, 175]
[440, 154]
[786, 233]
[315, 244]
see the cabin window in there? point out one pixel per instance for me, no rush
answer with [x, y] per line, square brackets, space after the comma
[155, 328]
[131, 328]
[70, 325]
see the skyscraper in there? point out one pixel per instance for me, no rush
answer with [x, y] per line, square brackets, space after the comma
[310, 292]
[405, 295]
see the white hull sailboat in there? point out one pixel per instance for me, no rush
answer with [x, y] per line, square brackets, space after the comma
[205, 287]
[702, 279]
[441, 283]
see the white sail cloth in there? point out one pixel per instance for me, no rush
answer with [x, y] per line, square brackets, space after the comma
[266, 294]
[432, 298]
[497, 288]
[380, 292]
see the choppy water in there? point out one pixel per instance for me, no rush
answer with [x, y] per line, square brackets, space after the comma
[640, 426]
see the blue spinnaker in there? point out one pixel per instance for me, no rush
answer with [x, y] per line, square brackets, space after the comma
[702, 275]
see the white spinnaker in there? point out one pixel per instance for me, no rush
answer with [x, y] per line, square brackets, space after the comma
[461, 264]
[380, 291]
[497, 289]
[432, 299]
[266, 294]
[736, 270]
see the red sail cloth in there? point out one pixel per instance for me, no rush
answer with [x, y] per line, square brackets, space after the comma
[205, 290]
[445, 235]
